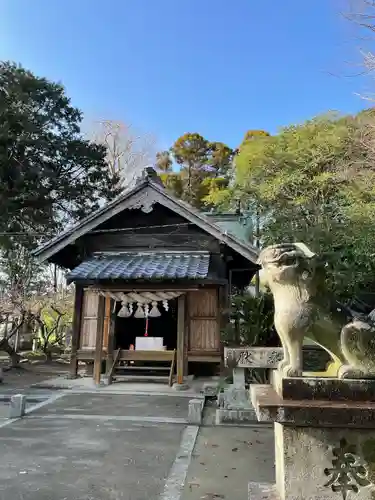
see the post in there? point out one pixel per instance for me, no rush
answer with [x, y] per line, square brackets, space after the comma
[76, 330]
[111, 335]
[17, 340]
[257, 246]
[195, 411]
[99, 340]
[223, 318]
[186, 336]
[17, 406]
[180, 338]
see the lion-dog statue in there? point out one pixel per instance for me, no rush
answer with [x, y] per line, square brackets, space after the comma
[304, 309]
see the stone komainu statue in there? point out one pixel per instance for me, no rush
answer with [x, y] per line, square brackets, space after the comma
[303, 308]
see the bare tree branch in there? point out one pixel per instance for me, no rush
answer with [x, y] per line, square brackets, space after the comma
[128, 152]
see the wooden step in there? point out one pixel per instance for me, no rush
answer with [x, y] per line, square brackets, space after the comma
[149, 368]
[140, 376]
[144, 372]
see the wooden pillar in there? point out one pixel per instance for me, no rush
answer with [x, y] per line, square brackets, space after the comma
[187, 334]
[223, 319]
[180, 339]
[99, 340]
[76, 330]
[111, 335]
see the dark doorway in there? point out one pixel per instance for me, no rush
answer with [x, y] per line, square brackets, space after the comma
[127, 329]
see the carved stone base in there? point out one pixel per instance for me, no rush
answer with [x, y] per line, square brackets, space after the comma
[243, 416]
[324, 463]
[324, 437]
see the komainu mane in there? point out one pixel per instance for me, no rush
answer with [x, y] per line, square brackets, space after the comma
[295, 276]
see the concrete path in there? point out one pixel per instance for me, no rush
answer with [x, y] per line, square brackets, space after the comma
[225, 459]
[108, 446]
[61, 459]
[108, 405]
[97, 447]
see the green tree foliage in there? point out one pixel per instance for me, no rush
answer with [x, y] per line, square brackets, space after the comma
[190, 152]
[315, 183]
[254, 134]
[224, 197]
[53, 316]
[219, 159]
[49, 174]
[203, 168]
[173, 182]
[251, 322]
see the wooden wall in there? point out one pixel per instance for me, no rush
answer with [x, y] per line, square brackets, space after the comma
[89, 321]
[204, 320]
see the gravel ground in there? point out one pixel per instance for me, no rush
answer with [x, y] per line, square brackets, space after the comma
[19, 379]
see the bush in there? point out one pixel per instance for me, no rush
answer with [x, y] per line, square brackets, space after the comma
[251, 322]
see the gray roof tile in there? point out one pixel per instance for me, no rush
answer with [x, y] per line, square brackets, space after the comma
[142, 265]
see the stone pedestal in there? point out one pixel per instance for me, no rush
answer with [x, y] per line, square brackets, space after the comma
[324, 438]
[234, 403]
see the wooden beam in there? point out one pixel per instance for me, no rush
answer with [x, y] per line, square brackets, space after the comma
[99, 340]
[76, 331]
[224, 317]
[135, 287]
[111, 368]
[107, 320]
[111, 336]
[187, 335]
[137, 355]
[180, 338]
[171, 371]
[205, 357]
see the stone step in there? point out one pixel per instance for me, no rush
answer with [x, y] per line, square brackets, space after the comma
[225, 416]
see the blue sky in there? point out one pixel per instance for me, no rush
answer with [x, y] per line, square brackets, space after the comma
[216, 67]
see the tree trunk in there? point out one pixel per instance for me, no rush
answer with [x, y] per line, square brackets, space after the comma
[14, 357]
[47, 351]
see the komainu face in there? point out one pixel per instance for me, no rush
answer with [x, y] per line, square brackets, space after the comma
[287, 263]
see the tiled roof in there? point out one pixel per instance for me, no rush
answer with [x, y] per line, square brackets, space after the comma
[143, 265]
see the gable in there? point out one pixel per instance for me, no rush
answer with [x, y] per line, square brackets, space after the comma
[160, 229]
[142, 199]
[136, 217]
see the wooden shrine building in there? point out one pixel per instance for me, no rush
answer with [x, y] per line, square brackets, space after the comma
[147, 268]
